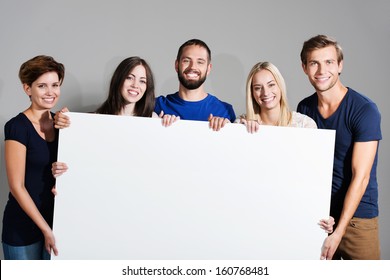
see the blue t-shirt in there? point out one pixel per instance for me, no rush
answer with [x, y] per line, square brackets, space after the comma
[357, 119]
[172, 104]
[18, 228]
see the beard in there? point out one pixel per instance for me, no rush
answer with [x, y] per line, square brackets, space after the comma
[190, 84]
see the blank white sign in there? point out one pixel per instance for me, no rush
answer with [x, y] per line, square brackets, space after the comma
[138, 190]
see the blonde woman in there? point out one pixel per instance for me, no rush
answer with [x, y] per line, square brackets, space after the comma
[266, 100]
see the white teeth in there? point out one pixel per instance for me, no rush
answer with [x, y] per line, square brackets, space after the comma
[265, 100]
[192, 75]
[322, 79]
[131, 92]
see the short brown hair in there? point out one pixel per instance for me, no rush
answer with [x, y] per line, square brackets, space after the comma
[32, 69]
[194, 42]
[319, 42]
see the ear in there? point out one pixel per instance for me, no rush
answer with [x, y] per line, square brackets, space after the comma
[176, 66]
[341, 65]
[209, 68]
[304, 68]
[27, 89]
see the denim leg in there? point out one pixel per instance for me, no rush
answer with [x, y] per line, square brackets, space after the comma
[35, 251]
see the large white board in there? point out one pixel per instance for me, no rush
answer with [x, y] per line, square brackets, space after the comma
[138, 190]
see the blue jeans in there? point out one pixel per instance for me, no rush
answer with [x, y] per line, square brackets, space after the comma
[35, 251]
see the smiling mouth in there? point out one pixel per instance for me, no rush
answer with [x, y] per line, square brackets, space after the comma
[268, 99]
[192, 74]
[132, 92]
[322, 79]
[49, 99]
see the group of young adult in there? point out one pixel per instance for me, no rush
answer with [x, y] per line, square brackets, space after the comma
[31, 137]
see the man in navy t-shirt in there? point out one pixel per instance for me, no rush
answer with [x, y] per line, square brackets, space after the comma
[356, 119]
[192, 102]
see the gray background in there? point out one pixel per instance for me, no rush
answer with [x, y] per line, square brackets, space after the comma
[92, 37]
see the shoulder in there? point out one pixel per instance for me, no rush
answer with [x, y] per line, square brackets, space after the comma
[310, 100]
[212, 98]
[302, 120]
[17, 121]
[361, 103]
[17, 128]
[361, 116]
[359, 97]
[308, 105]
[170, 98]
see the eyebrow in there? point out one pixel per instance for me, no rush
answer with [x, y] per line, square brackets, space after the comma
[196, 58]
[271, 81]
[136, 77]
[327, 59]
[44, 83]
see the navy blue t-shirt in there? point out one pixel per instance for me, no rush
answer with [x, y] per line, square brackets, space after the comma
[357, 119]
[172, 104]
[18, 228]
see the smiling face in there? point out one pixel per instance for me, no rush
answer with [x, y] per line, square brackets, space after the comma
[265, 90]
[44, 91]
[323, 68]
[134, 85]
[193, 67]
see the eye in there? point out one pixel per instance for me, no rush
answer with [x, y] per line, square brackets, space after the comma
[142, 81]
[41, 86]
[312, 63]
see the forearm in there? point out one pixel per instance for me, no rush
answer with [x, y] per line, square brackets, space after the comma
[352, 199]
[362, 161]
[27, 204]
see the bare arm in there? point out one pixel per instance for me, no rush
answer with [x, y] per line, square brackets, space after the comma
[15, 160]
[362, 160]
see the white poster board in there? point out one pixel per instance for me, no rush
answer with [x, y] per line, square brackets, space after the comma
[138, 190]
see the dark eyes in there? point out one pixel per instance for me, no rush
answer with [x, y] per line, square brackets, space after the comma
[200, 62]
[314, 63]
[257, 88]
[131, 78]
[42, 86]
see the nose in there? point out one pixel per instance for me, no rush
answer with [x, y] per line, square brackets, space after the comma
[51, 89]
[190, 65]
[265, 91]
[135, 83]
[320, 68]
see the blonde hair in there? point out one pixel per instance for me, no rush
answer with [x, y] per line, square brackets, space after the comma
[252, 107]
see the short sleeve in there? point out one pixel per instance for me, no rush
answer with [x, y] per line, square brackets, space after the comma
[15, 129]
[367, 124]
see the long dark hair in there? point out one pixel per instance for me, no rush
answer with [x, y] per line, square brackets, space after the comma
[115, 101]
